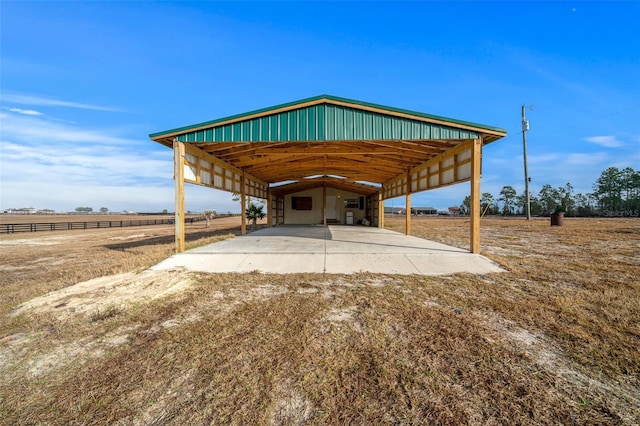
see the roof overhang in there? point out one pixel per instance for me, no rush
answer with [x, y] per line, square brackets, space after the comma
[328, 135]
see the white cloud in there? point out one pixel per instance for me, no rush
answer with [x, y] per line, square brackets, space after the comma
[606, 141]
[552, 157]
[25, 99]
[24, 111]
[586, 159]
[60, 166]
[37, 130]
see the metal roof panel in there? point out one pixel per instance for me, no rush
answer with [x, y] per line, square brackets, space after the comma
[327, 118]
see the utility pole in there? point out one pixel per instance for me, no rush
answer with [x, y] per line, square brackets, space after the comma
[525, 127]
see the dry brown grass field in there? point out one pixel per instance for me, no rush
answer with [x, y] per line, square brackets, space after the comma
[552, 340]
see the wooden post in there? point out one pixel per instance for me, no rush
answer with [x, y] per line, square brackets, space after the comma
[269, 207]
[324, 204]
[476, 162]
[407, 223]
[277, 211]
[380, 209]
[178, 176]
[243, 206]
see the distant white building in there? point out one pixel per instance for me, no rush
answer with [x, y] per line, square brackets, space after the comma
[27, 210]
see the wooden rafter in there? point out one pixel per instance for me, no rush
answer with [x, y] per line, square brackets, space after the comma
[373, 161]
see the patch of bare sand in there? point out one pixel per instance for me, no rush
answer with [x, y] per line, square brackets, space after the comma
[128, 237]
[101, 293]
[80, 350]
[290, 406]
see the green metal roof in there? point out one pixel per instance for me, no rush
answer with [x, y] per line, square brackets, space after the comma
[329, 118]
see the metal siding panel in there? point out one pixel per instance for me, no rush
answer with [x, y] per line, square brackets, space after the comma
[284, 127]
[378, 125]
[416, 130]
[344, 128]
[294, 133]
[326, 122]
[236, 132]
[424, 131]
[312, 123]
[227, 135]
[347, 131]
[367, 126]
[274, 130]
[407, 130]
[339, 124]
[321, 123]
[386, 128]
[303, 131]
[358, 125]
[350, 119]
[329, 122]
[256, 132]
[246, 130]
[265, 125]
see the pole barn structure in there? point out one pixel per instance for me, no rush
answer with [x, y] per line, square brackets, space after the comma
[328, 160]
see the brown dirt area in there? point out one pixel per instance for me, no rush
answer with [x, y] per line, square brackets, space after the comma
[89, 336]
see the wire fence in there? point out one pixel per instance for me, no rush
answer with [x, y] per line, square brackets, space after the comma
[11, 228]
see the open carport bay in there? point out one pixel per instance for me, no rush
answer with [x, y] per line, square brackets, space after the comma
[330, 249]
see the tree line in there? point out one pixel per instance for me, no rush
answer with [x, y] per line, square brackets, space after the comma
[90, 210]
[616, 193]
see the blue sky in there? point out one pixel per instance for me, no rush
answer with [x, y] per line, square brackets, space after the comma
[84, 83]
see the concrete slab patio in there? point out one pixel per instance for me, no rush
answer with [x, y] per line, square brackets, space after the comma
[330, 249]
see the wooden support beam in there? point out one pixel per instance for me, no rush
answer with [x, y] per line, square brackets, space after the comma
[269, 208]
[476, 161]
[243, 206]
[178, 175]
[407, 223]
[381, 209]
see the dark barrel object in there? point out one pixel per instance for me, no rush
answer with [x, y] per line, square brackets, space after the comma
[557, 219]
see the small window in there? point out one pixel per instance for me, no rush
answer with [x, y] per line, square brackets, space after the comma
[351, 203]
[301, 203]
